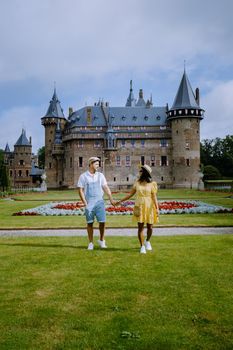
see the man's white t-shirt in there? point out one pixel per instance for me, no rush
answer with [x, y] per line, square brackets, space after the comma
[87, 177]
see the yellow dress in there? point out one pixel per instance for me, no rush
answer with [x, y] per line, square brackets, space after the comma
[148, 212]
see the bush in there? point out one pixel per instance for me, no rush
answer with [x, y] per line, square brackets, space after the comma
[211, 173]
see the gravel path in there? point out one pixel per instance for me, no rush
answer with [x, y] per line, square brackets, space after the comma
[159, 231]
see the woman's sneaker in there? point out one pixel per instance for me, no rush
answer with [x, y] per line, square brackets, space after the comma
[102, 244]
[148, 245]
[143, 249]
[90, 246]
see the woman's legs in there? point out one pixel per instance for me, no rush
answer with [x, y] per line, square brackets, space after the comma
[140, 233]
[149, 231]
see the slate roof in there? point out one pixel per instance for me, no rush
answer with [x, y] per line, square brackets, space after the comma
[7, 148]
[54, 110]
[35, 171]
[119, 116]
[22, 140]
[185, 97]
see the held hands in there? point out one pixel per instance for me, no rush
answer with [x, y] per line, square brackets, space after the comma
[114, 203]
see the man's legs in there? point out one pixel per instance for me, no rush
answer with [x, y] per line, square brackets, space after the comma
[102, 229]
[90, 231]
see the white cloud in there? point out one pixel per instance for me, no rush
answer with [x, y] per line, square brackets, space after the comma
[218, 121]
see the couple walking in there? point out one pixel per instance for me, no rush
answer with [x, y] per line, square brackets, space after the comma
[92, 185]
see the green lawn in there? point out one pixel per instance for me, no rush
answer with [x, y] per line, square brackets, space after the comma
[31, 200]
[57, 295]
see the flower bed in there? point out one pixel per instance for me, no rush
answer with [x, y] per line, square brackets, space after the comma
[166, 207]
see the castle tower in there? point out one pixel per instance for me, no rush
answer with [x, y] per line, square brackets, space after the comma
[184, 117]
[53, 119]
[21, 167]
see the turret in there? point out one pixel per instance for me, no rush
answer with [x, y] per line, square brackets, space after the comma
[54, 122]
[184, 117]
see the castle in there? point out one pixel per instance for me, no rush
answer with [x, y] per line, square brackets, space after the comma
[167, 139]
[22, 163]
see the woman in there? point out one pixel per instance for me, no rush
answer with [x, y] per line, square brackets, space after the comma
[146, 209]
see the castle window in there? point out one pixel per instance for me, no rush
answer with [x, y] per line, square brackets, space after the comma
[187, 145]
[146, 117]
[163, 143]
[123, 143]
[20, 173]
[97, 144]
[71, 162]
[164, 161]
[180, 112]
[123, 117]
[51, 132]
[142, 160]
[118, 161]
[50, 165]
[192, 111]
[27, 173]
[187, 162]
[162, 178]
[158, 117]
[134, 117]
[80, 162]
[152, 161]
[142, 143]
[21, 162]
[80, 143]
[177, 131]
[127, 161]
[11, 173]
[114, 179]
[127, 179]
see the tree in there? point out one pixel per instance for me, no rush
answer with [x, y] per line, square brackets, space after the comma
[4, 177]
[218, 153]
[211, 173]
[41, 157]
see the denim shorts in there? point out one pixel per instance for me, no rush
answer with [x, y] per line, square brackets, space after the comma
[97, 210]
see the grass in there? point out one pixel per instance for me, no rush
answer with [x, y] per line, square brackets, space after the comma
[57, 295]
[31, 200]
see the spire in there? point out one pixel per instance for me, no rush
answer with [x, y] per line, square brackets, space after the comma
[7, 148]
[141, 102]
[22, 140]
[130, 100]
[185, 97]
[58, 134]
[55, 110]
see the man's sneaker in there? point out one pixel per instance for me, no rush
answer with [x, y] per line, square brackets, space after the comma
[90, 246]
[148, 245]
[102, 244]
[143, 249]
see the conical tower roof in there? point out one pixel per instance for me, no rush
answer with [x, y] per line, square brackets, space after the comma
[7, 148]
[185, 97]
[54, 110]
[22, 140]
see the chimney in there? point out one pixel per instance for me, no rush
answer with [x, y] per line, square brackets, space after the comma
[30, 140]
[140, 93]
[70, 111]
[197, 96]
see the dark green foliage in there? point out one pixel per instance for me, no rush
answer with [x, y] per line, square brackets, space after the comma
[41, 157]
[219, 153]
[4, 177]
[211, 173]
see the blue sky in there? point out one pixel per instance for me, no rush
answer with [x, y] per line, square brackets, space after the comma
[93, 48]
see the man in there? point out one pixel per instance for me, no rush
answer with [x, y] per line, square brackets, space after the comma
[92, 185]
